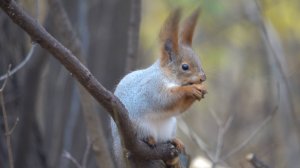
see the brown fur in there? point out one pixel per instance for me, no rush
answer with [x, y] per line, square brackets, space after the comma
[181, 53]
[188, 28]
[174, 53]
[188, 94]
[164, 89]
[169, 34]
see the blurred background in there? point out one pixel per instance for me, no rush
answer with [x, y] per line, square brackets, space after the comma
[249, 50]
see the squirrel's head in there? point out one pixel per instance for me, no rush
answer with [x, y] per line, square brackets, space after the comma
[178, 60]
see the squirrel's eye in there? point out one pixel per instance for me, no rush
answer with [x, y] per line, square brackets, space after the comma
[185, 67]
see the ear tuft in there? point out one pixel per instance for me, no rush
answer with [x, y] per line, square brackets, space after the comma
[169, 35]
[189, 27]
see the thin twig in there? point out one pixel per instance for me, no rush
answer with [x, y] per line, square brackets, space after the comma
[7, 130]
[67, 155]
[6, 79]
[22, 64]
[275, 48]
[86, 152]
[199, 141]
[222, 131]
[277, 59]
[255, 162]
[13, 128]
[247, 140]
[216, 117]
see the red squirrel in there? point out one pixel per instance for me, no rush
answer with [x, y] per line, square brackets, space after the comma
[156, 95]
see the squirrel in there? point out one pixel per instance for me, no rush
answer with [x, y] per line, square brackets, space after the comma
[156, 95]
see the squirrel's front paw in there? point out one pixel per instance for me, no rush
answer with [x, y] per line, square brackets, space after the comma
[178, 144]
[197, 91]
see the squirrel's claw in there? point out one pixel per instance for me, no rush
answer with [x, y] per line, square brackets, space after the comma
[150, 141]
[197, 94]
[198, 91]
[172, 163]
[178, 144]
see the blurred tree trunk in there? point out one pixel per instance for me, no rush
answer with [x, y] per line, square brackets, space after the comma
[49, 106]
[12, 51]
[107, 52]
[20, 95]
[102, 26]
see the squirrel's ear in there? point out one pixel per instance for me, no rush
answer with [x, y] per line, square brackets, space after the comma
[189, 27]
[169, 37]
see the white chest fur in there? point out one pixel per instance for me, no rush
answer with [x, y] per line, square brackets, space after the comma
[170, 84]
[161, 129]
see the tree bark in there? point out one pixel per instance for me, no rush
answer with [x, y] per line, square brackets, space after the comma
[111, 103]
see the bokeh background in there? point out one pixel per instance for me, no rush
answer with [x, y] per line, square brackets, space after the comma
[249, 50]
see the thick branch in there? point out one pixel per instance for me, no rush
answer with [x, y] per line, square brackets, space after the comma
[110, 102]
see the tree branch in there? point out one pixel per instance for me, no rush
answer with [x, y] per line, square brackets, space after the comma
[86, 152]
[110, 102]
[67, 155]
[6, 127]
[22, 64]
[223, 128]
[13, 127]
[198, 140]
[252, 134]
[255, 162]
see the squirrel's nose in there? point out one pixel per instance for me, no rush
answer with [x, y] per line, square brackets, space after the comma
[202, 77]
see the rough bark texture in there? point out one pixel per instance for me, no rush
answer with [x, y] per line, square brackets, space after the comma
[84, 76]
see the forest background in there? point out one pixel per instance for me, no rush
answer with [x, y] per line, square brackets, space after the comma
[249, 51]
